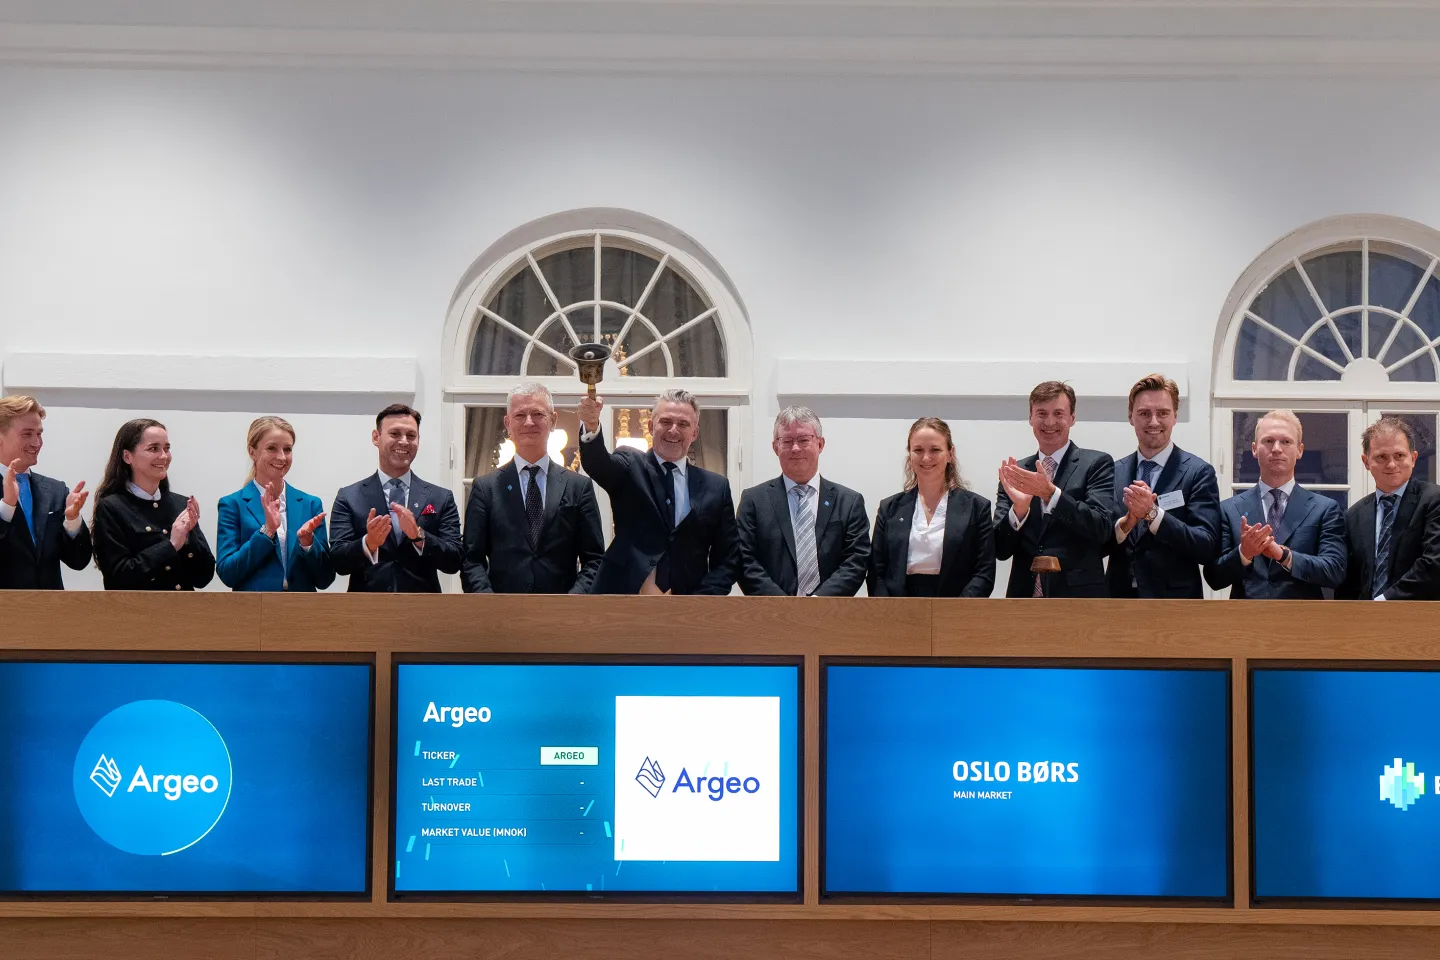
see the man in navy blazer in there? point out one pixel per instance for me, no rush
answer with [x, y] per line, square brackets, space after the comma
[40, 523]
[674, 522]
[392, 532]
[1168, 501]
[777, 518]
[531, 526]
[1279, 541]
[1056, 503]
[1394, 533]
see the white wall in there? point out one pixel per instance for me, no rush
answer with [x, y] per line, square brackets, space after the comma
[331, 214]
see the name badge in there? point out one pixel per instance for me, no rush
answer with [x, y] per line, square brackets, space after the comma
[1171, 500]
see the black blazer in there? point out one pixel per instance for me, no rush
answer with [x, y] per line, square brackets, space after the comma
[1078, 533]
[767, 541]
[401, 568]
[133, 550]
[1414, 556]
[1166, 565]
[1314, 530]
[34, 564]
[498, 554]
[967, 560]
[702, 550]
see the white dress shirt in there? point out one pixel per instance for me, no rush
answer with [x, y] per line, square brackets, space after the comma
[1045, 505]
[681, 493]
[405, 483]
[7, 512]
[927, 537]
[1160, 459]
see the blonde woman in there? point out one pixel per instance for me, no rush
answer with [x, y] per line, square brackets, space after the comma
[934, 539]
[272, 536]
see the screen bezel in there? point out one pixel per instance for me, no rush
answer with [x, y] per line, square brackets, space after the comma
[182, 658]
[1327, 666]
[592, 896]
[1032, 899]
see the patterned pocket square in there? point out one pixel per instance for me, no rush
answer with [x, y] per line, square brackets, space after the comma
[429, 509]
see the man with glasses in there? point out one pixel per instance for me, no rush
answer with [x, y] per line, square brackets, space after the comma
[800, 535]
[531, 526]
[674, 521]
[1394, 533]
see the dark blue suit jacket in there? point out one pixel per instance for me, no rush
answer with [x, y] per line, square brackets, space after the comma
[703, 550]
[1078, 533]
[1166, 564]
[34, 564]
[246, 559]
[1314, 530]
[402, 569]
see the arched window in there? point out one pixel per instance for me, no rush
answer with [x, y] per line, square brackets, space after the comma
[1339, 321]
[667, 310]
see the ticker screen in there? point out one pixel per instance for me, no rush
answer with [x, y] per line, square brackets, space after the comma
[596, 779]
[185, 778]
[958, 780]
[1344, 782]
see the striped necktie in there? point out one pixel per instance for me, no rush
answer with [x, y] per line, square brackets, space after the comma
[807, 555]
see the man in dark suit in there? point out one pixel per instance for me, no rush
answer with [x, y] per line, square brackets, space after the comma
[392, 532]
[1295, 548]
[1056, 503]
[40, 523]
[1396, 529]
[531, 526]
[801, 535]
[1168, 501]
[674, 522]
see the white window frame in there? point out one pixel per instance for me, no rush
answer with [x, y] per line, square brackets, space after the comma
[519, 249]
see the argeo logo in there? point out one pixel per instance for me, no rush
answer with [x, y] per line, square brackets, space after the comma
[158, 813]
[1401, 786]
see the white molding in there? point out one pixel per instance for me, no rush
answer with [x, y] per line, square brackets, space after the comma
[1022, 40]
[967, 379]
[358, 377]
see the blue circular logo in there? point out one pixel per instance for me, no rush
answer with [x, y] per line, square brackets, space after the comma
[152, 777]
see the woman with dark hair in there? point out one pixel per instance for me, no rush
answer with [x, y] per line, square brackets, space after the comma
[147, 538]
[934, 539]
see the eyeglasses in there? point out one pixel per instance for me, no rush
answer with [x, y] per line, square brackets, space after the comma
[796, 443]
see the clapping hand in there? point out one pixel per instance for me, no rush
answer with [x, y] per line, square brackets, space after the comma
[406, 519]
[377, 528]
[1139, 501]
[1014, 489]
[12, 485]
[271, 505]
[305, 536]
[1255, 539]
[75, 501]
[188, 520]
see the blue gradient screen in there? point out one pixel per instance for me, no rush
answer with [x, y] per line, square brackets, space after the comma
[184, 778]
[596, 779]
[1013, 781]
[1344, 780]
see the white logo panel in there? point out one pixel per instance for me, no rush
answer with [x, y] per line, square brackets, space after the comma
[697, 778]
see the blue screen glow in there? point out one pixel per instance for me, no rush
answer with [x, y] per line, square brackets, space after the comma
[970, 780]
[242, 778]
[596, 778]
[1345, 771]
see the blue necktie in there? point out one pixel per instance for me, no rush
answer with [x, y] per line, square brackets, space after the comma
[1148, 469]
[27, 503]
[1384, 543]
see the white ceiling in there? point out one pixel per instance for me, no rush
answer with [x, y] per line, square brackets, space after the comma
[1070, 38]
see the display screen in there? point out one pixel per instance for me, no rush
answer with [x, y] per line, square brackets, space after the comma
[962, 780]
[182, 779]
[1344, 783]
[597, 779]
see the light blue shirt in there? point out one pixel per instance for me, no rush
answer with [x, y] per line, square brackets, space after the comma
[790, 485]
[520, 464]
[681, 493]
[1267, 501]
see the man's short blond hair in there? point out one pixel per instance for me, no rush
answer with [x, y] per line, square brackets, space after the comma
[18, 405]
[1284, 416]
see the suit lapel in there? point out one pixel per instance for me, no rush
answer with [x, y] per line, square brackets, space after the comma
[1301, 502]
[513, 492]
[954, 529]
[1169, 476]
[1126, 472]
[374, 495]
[692, 486]
[780, 507]
[655, 474]
[295, 518]
[1066, 466]
[251, 496]
[824, 508]
[1405, 511]
[554, 492]
[1366, 547]
[899, 532]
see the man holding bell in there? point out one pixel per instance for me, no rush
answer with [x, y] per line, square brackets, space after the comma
[674, 522]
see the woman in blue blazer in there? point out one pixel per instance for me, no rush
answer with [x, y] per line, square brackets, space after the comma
[272, 536]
